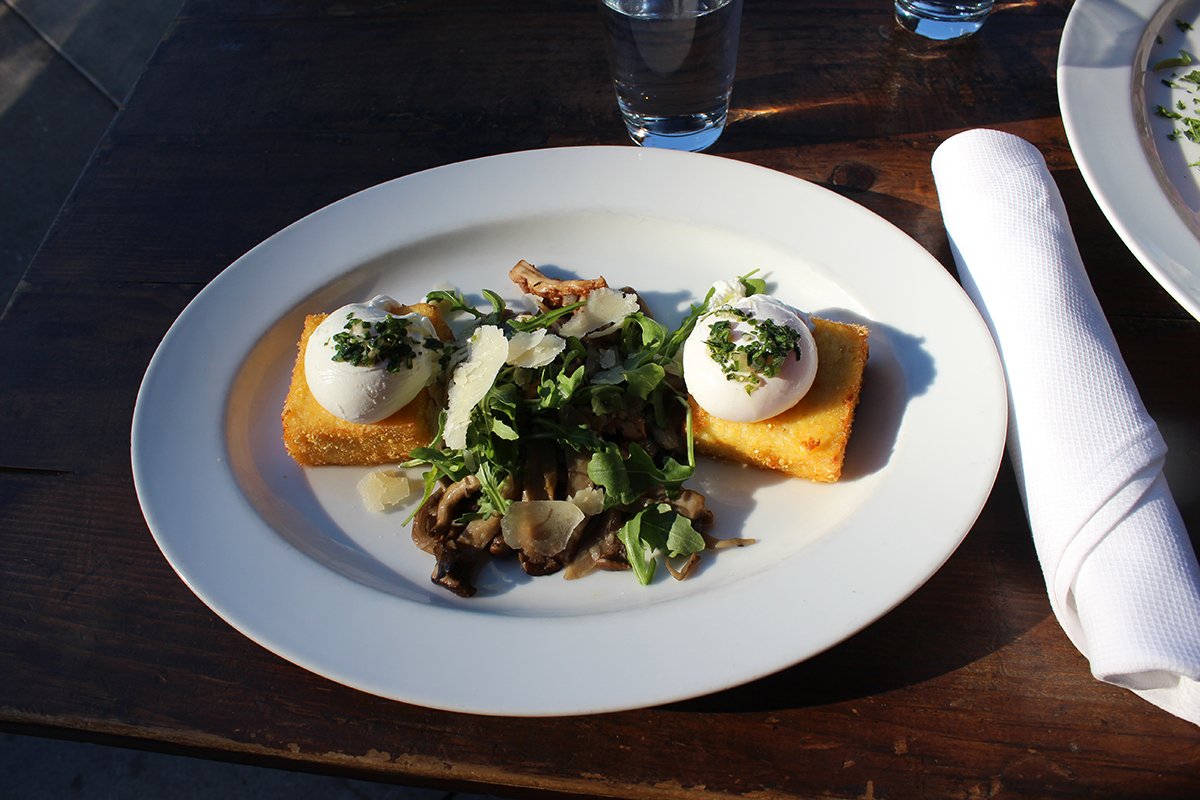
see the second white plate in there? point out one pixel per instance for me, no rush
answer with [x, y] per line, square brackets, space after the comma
[1108, 92]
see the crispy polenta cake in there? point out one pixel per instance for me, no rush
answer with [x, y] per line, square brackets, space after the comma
[809, 439]
[314, 437]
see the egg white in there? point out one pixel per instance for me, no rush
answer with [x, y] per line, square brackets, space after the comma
[365, 394]
[728, 399]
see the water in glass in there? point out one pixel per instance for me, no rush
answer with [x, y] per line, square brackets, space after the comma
[673, 64]
[943, 19]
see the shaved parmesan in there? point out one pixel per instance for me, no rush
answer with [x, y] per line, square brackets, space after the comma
[383, 489]
[534, 349]
[604, 307]
[590, 500]
[487, 352]
[540, 527]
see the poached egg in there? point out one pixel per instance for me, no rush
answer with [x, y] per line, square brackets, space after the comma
[373, 391]
[719, 374]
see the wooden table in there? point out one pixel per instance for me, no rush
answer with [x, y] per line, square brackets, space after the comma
[254, 113]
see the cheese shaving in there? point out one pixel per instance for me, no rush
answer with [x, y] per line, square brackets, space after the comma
[535, 348]
[540, 527]
[487, 353]
[384, 489]
[604, 307]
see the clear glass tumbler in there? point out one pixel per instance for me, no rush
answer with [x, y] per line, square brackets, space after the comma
[943, 19]
[672, 65]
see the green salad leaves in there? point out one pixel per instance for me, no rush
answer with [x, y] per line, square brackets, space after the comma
[612, 399]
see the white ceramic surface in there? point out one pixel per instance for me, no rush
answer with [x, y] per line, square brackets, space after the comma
[1108, 92]
[290, 557]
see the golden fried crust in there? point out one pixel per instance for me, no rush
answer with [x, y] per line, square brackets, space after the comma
[809, 439]
[314, 437]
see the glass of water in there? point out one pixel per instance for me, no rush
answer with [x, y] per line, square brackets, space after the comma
[672, 64]
[942, 19]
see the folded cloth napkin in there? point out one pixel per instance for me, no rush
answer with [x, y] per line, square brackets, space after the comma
[1119, 566]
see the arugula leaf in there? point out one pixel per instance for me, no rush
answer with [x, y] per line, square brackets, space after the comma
[657, 530]
[680, 335]
[545, 319]
[606, 468]
[557, 391]
[644, 379]
[753, 285]
[491, 479]
[453, 299]
[580, 439]
[498, 308]
[606, 399]
[638, 552]
[627, 479]
[643, 470]
[504, 430]
[444, 464]
[642, 335]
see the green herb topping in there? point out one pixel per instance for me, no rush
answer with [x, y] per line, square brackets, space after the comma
[364, 345]
[1187, 124]
[1184, 60]
[760, 353]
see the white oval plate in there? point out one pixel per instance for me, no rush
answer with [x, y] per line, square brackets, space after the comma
[1108, 93]
[290, 557]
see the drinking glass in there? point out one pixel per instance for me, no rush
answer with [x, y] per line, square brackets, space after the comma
[672, 65]
[943, 19]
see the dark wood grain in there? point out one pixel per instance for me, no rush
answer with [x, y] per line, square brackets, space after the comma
[253, 114]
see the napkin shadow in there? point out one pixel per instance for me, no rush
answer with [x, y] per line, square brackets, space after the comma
[988, 595]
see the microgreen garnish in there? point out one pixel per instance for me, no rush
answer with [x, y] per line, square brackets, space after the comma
[759, 354]
[1183, 60]
[1187, 125]
[364, 345]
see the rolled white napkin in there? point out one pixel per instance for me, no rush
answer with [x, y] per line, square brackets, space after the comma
[1119, 566]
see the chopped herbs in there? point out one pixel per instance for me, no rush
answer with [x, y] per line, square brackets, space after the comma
[1183, 60]
[1187, 124]
[760, 353]
[364, 345]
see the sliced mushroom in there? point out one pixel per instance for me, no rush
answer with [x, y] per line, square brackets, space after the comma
[453, 498]
[577, 472]
[461, 556]
[556, 293]
[458, 549]
[541, 471]
[426, 518]
[599, 547]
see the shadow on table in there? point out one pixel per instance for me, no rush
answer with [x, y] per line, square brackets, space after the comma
[985, 597]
